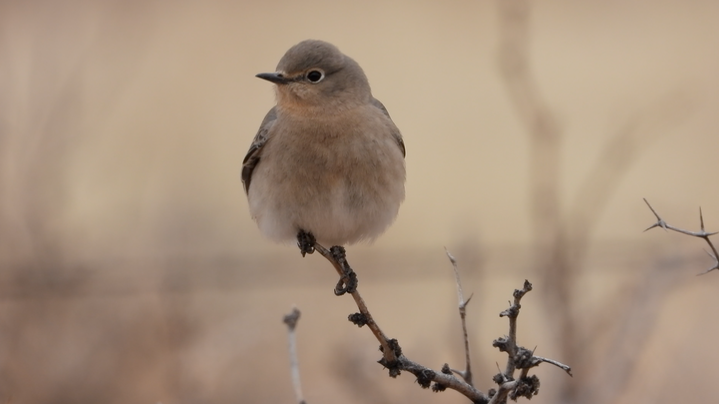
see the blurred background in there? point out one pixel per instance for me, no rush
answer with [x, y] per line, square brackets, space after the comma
[130, 270]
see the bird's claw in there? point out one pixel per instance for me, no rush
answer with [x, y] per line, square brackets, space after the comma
[306, 242]
[348, 280]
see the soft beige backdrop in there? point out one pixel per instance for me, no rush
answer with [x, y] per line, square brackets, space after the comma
[132, 271]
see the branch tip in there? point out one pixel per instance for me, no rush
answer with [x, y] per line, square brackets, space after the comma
[292, 318]
[450, 256]
[715, 267]
[466, 302]
[652, 209]
[560, 365]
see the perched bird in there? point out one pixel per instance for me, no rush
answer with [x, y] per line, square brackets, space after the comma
[327, 163]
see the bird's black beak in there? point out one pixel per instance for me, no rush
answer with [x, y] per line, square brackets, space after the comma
[277, 78]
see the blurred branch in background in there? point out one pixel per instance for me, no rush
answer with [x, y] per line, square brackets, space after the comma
[562, 239]
[48, 112]
[65, 66]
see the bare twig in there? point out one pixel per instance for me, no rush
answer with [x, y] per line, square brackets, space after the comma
[702, 234]
[518, 357]
[501, 394]
[442, 380]
[389, 354]
[291, 321]
[558, 364]
[395, 361]
[512, 313]
[467, 373]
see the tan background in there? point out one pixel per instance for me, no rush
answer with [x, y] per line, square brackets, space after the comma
[131, 271]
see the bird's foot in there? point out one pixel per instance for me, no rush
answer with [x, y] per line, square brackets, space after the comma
[348, 280]
[306, 242]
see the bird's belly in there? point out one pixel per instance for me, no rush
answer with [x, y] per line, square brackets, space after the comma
[340, 197]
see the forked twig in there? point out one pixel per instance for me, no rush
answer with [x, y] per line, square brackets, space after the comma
[467, 372]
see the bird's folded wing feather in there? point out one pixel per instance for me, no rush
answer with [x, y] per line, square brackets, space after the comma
[396, 134]
[255, 152]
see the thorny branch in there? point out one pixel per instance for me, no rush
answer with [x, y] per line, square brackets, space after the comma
[702, 234]
[396, 361]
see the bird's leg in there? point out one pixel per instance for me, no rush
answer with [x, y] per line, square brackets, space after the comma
[306, 242]
[348, 280]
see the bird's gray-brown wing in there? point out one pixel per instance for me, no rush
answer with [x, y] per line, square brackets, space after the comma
[396, 134]
[255, 153]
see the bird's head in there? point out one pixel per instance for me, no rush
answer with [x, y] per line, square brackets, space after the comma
[316, 74]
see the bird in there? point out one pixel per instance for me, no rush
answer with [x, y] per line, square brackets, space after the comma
[327, 164]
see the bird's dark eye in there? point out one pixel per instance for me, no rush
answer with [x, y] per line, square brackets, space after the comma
[315, 76]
